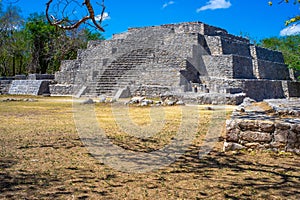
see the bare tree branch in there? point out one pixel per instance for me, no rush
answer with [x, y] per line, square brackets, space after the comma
[64, 22]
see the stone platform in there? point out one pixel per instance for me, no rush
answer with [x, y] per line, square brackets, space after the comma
[29, 87]
[271, 125]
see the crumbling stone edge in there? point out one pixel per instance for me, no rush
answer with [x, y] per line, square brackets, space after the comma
[249, 130]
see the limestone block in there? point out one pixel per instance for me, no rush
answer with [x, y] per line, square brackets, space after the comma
[248, 125]
[281, 136]
[282, 126]
[88, 101]
[180, 103]
[232, 123]
[268, 127]
[291, 139]
[233, 135]
[231, 146]
[296, 128]
[253, 136]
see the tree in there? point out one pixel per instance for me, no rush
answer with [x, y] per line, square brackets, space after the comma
[51, 45]
[293, 19]
[36, 46]
[11, 42]
[41, 34]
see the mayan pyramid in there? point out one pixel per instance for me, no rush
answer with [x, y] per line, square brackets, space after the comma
[182, 59]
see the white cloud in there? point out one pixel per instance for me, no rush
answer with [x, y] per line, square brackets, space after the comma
[105, 16]
[215, 4]
[168, 4]
[290, 30]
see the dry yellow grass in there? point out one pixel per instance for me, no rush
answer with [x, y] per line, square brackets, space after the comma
[42, 157]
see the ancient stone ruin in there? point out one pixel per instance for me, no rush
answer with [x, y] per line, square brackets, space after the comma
[273, 124]
[33, 84]
[192, 60]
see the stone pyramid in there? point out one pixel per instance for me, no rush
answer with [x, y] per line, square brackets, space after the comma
[191, 59]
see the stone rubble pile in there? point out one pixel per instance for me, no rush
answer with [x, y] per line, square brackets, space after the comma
[167, 100]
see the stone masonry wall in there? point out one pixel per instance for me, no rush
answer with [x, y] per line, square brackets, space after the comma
[219, 66]
[256, 134]
[255, 89]
[267, 54]
[273, 71]
[29, 87]
[242, 68]
[236, 48]
[261, 126]
[214, 44]
[101, 55]
[4, 86]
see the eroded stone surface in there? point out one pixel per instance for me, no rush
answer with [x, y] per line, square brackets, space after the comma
[266, 129]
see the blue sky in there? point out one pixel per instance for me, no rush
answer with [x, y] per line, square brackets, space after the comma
[254, 18]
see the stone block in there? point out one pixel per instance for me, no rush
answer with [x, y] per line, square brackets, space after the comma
[231, 146]
[296, 128]
[281, 135]
[282, 126]
[291, 140]
[248, 125]
[233, 135]
[253, 136]
[231, 123]
[268, 127]
[20, 77]
[40, 77]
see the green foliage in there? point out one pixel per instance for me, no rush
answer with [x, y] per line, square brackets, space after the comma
[34, 46]
[11, 41]
[289, 46]
[42, 36]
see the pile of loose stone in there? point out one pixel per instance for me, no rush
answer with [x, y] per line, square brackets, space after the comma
[18, 99]
[165, 100]
[271, 125]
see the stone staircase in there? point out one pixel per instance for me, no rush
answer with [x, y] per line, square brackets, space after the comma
[121, 72]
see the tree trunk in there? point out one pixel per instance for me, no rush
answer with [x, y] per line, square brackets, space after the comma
[21, 65]
[14, 66]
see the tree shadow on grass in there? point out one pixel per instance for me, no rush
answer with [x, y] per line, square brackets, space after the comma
[222, 175]
[24, 184]
[21, 182]
[241, 171]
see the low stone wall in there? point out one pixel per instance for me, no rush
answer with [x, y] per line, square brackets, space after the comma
[29, 87]
[271, 125]
[4, 86]
[32, 84]
[61, 89]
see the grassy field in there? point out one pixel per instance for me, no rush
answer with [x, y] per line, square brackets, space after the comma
[43, 157]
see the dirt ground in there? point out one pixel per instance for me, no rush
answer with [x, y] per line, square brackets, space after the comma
[42, 156]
